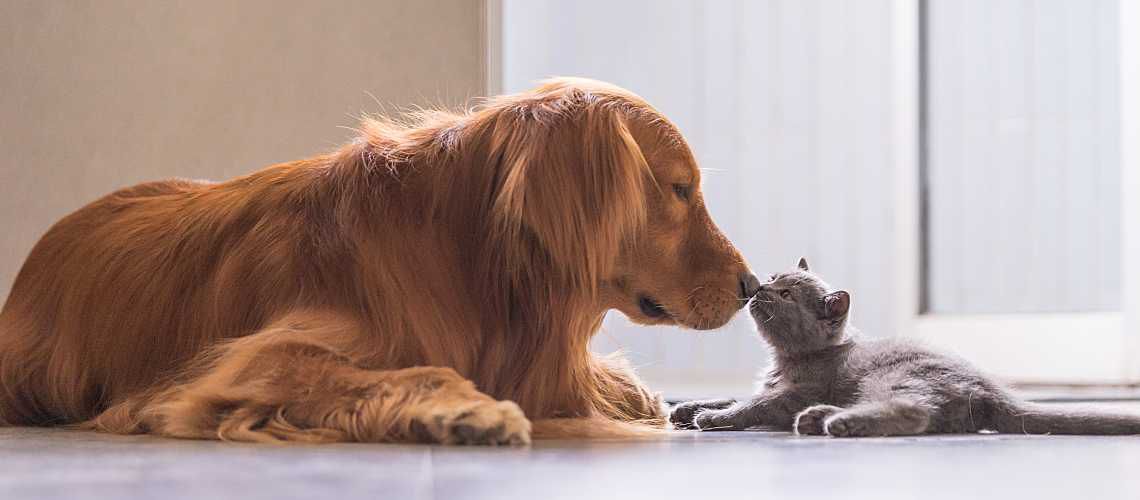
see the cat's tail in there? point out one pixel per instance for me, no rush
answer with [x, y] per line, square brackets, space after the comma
[1026, 418]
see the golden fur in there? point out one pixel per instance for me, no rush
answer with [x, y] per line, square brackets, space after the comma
[436, 280]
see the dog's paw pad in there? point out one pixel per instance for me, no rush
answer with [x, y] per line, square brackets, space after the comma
[484, 423]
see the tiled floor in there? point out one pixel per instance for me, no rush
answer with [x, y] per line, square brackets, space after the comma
[38, 463]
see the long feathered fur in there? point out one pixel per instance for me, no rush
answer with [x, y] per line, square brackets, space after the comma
[473, 240]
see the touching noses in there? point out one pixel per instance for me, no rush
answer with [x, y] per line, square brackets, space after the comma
[749, 285]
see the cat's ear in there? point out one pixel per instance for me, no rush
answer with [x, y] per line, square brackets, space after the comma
[803, 264]
[836, 304]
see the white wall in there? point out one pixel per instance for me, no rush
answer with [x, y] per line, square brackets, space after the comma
[787, 105]
[97, 95]
[1024, 156]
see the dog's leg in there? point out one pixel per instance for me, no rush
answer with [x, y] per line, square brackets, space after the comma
[293, 382]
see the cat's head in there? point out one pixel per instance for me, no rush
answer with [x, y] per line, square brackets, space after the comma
[797, 312]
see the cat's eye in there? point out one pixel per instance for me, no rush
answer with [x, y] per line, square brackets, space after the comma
[785, 294]
[683, 191]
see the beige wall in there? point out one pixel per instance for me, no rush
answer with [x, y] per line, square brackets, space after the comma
[96, 95]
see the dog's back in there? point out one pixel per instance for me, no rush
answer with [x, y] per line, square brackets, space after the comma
[161, 256]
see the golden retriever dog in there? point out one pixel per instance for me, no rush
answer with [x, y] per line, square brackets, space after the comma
[435, 280]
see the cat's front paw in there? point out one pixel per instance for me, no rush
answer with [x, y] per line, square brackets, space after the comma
[682, 415]
[848, 425]
[713, 420]
[810, 421]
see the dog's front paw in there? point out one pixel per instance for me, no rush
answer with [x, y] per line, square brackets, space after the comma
[482, 423]
[810, 421]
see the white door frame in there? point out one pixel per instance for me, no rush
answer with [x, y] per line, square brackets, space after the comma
[1066, 348]
[1129, 15]
[492, 47]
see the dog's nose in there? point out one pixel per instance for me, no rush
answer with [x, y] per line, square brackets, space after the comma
[749, 285]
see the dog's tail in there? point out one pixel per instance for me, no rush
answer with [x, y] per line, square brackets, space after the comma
[1025, 418]
[595, 428]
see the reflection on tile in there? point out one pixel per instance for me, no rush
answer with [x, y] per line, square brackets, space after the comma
[39, 463]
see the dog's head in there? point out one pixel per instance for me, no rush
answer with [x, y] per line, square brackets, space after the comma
[611, 193]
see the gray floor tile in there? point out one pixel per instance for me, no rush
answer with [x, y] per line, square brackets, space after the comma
[39, 463]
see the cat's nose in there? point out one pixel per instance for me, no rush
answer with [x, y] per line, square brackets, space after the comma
[749, 285]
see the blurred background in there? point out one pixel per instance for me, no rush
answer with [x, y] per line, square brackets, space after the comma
[968, 169]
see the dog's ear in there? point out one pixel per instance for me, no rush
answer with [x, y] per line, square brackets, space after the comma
[572, 177]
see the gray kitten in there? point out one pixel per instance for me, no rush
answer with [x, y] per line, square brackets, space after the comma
[826, 380]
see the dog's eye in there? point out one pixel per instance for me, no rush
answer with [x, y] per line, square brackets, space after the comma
[785, 294]
[682, 191]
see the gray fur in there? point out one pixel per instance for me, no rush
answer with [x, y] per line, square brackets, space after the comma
[827, 380]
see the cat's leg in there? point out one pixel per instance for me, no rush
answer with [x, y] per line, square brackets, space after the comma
[773, 409]
[681, 416]
[894, 417]
[810, 421]
[294, 381]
